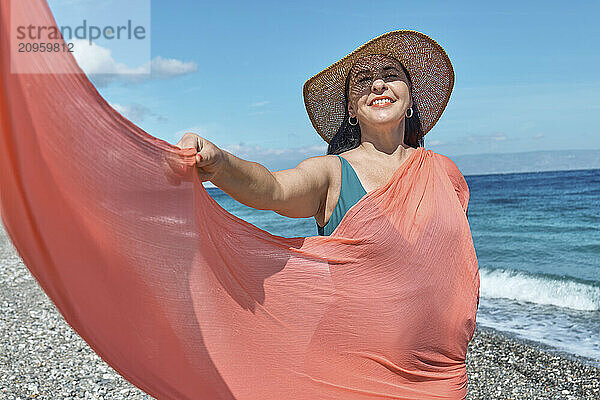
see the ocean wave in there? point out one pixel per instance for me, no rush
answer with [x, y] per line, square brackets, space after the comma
[540, 289]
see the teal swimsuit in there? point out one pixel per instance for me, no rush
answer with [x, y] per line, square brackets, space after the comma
[351, 192]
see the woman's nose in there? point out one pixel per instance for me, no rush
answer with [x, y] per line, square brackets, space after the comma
[379, 84]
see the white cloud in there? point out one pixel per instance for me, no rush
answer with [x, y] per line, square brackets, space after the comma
[483, 139]
[136, 112]
[100, 66]
[435, 142]
[260, 103]
[94, 59]
[162, 68]
[259, 107]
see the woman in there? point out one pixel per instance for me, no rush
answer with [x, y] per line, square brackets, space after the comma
[381, 127]
[387, 303]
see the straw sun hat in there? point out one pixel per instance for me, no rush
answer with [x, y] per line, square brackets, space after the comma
[427, 63]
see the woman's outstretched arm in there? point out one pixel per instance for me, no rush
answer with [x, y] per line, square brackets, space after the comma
[298, 192]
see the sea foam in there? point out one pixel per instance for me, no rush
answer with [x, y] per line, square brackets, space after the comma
[540, 289]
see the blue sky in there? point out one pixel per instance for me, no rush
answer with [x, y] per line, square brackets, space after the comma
[526, 72]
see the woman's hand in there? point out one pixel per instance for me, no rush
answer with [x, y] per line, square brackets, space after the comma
[209, 159]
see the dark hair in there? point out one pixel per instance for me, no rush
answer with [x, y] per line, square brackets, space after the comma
[348, 137]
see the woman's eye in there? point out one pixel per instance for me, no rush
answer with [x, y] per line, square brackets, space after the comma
[366, 78]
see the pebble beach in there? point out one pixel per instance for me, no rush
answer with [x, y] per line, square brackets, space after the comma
[42, 357]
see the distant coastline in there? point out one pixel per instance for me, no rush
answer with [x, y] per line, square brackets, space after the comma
[487, 163]
[527, 161]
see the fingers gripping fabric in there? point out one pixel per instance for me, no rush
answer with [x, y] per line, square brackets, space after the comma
[187, 301]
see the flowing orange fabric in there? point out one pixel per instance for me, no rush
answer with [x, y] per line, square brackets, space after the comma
[187, 301]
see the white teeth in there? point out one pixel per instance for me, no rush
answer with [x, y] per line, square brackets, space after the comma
[381, 101]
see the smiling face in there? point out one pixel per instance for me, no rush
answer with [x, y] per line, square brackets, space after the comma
[378, 92]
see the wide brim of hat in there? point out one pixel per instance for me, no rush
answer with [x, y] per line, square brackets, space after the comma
[427, 63]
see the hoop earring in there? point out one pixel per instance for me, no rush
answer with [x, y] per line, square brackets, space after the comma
[350, 121]
[411, 112]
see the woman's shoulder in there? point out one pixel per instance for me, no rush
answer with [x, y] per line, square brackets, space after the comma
[329, 162]
[325, 166]
[326, 160]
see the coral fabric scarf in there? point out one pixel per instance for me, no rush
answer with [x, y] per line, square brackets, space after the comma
[187, 301]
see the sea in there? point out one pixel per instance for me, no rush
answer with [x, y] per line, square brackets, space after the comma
[537, 240]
